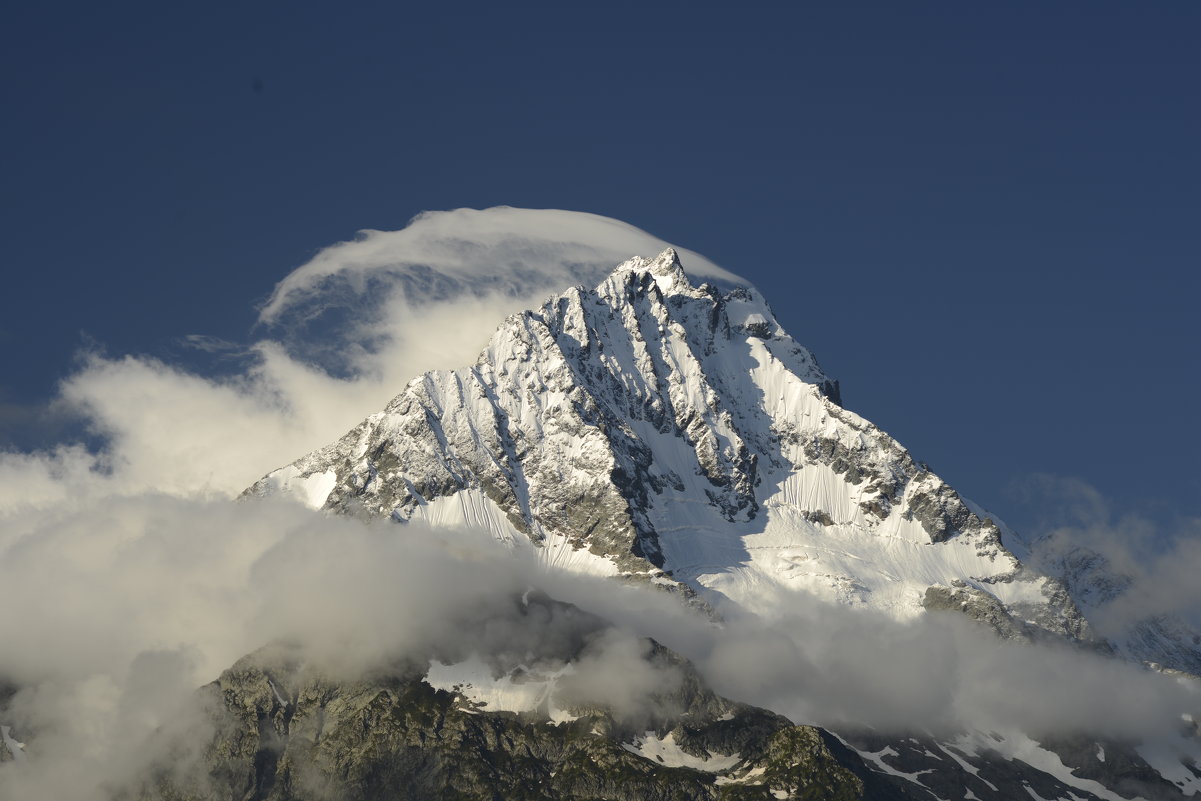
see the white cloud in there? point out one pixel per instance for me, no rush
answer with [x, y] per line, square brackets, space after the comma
[508, 250]
[834, 665]
[116, 611]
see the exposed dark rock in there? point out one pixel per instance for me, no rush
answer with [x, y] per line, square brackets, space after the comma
[979, 606]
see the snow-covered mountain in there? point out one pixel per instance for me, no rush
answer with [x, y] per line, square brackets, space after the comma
[655, 430]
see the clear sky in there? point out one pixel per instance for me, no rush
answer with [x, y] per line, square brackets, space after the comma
[984, 218]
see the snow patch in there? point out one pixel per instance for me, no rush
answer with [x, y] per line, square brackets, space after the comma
[877, 758]
[1015, 745]
[278, 697]
[969, 747]
[749, 777]
[1168, 760]
[518, 691]
[664, 751]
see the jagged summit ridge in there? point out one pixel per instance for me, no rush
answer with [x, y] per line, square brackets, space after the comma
[653, 428]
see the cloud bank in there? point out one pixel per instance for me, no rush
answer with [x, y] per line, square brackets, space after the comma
[500, 249]
[116, 612]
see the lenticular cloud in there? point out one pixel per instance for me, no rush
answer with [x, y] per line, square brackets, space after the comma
[497, 249]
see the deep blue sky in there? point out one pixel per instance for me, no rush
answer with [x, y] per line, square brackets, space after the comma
[984, 218]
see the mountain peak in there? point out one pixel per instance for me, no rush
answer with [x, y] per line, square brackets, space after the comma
[666, 269]
[666, 263]
[672, 434]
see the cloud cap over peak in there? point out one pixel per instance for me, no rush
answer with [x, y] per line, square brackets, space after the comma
[501, 249]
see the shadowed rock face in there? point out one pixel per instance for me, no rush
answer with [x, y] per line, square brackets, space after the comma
[286, 732]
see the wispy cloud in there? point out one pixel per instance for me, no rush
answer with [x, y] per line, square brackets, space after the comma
[1155, 564]
[501, 249]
